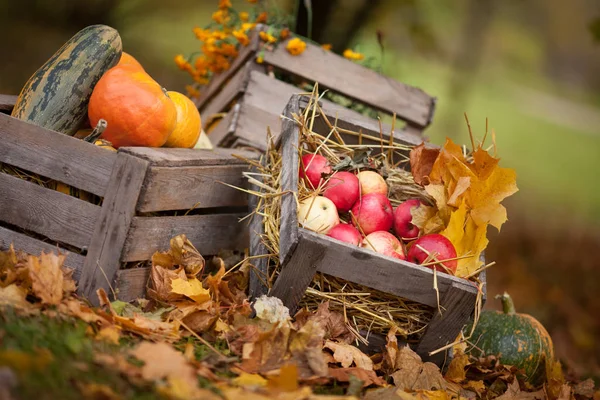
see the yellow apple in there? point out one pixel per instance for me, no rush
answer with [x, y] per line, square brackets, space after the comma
[318, 213]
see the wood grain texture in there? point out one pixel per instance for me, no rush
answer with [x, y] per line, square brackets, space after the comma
[35, 247]
[130, 284]
[457, 304]
[219, 81]
[288, 231]
[209, 233]
[298, 272]
[7, 102]
[355, 81]
[220, 134]
[384, 273]
[55, 155]
[163, 157]
[58, 216]
[258, 275]
[169, 188]
[104, 256]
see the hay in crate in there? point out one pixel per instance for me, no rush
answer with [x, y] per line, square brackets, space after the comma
[366, 310]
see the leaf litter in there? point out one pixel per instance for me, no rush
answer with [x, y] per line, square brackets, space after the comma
[270, 356]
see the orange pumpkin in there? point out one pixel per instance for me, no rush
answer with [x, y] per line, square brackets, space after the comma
[128, 59]
[187, 130]
[136, 108]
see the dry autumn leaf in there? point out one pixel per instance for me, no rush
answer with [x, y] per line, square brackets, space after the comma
[161, 361]
[367, 377]
[186, 255]
[94, 390]
[412, 374]
[306, 348]
[456, 370]
[190, 288]
[14, 296]
[346, 355]
[47, 277]
[333, 324]
[421, 162]
[110, 334]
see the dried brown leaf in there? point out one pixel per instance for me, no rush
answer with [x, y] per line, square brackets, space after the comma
[268, 351]
[346, 355]
[110, 334]
[286, 380]
[14, 296]
[161, 360]
[186, 255]
[46, 276]
[456, 370]
[412, 374]
[585, 388]
[332, 323]
[97, 391]
[200, 321]
[368, 377]
[513, 392]
[306, 348]
[421, 162]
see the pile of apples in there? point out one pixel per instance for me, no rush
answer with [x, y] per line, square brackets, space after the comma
[362, 199]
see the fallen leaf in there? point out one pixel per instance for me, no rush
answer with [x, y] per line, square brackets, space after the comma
[477, 386]
[200, 321]
[427, 219]
[368, 377]
[46, 277]
[14, 296]
[514, 392]
[286, 380]
[161, 361]
[249, 380]
[185, 254]
[190, 288]
[421, 162]
[565, 393]
[554, 378]
[268, 351]
[456, 370]
[97, 391]
[110, 334]
[332, 323]
[346, 355]
[306, 348]
[412, 374]
[585, 388]
[177, 388]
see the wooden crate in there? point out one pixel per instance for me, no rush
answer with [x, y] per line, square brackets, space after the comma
[250, 98]
[144, 194]
[304, 253]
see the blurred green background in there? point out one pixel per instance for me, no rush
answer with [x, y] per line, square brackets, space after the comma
[532, 67]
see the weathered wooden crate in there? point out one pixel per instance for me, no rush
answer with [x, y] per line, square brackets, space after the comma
[249, 97]
[145, 197]
[304, 253]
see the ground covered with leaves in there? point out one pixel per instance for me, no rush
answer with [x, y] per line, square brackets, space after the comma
[196, 337]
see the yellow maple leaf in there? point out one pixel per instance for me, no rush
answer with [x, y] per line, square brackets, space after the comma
[191, 288]
[14, 296]
[249, 380]
[110, 334]
[468, 239]
[47, 277]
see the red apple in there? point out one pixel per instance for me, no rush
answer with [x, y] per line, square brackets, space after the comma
[373, 212]
[346, 233]
[403, 220]
[434, 244]
[313, 166]
[318, 213]
[372, 182]
[343, 189]
[385, 243]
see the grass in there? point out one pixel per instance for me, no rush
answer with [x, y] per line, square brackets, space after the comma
[52, 356]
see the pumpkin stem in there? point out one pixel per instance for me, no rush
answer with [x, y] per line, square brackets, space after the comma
[97, 132]
[507, 303]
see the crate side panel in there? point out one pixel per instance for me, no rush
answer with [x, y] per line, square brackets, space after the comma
[55, 155]
[103, 258]
[209, 233]
[170, 188]
[131, 283]
[379, 272]
[355, 81]
[56, 215]
[163, 157]
[7, 102]
[35, 247]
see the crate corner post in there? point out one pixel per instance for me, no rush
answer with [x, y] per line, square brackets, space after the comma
[103, 259]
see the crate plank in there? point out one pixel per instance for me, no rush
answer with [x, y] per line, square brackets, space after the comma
[193, 187]
[103, 258]
[55, 155]
[131, 283]
[56, 215]
[298, 272]
[457, 306]
[355, 81]
[257, 281]
[7, 102]
[217, 82]
[220, 134]
[386, 274]
[176, 157]
[209, 233]
[35, 247]
[288, 231]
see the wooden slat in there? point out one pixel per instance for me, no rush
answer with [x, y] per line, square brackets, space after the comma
[7, 102]
[257, 282]
[217, 82]
[162, 157]
[458, 304]
[209, 233]
[131, 283]
[55, 155]
[103, 258]
[224, 98]
[225, 127]
[35, 247]
[355, 81]
[384, 273]
[288, 231]
[56, 215]
[169, 188]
